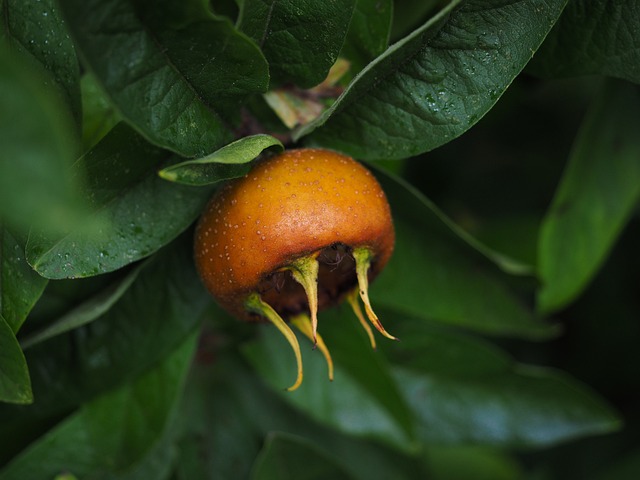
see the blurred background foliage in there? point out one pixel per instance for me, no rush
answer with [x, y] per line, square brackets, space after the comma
[505, 136]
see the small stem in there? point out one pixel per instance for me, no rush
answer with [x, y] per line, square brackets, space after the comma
[362, 257]
[352, 298]
[303, 323]
[305, 272]
[255, 304]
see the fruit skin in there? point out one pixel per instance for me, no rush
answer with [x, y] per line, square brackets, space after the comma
[293, 205]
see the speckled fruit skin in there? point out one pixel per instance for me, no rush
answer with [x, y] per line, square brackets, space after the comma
[288, 206]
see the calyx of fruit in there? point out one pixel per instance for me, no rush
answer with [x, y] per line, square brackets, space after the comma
[302, 231]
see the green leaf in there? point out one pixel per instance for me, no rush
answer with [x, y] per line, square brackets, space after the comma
[524, 408]
[625, 468]
[36, 134]
[15, 385]
[132, 211]
[301, 40]
[597, 195]
[37, 30]
[430, 350]
[230, 411]
[409, 15]
[164, 306]
[289, 456]
[20, 286]
[99, 116]
[477, 462]
[358, 368]
[214, 420]
[368, 33]
[114, 432]
[593, 37]
[88, 311]
[437, 82]
[438, 273]
[231, 161]
[348, 403]
[172, 83]
[463, 391]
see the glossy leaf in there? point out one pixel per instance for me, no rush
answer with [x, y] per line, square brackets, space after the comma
[20, 286]
[231, 161]
[368, 33]
[596, 196]
[86, 312]
[440, 274]
[525, 407]
[38, 30]
[162, 308]
[288, 456]
[15, 385]
[36, 134]
[301, 40]
[113, 432]
[437, 82]
[132, 211]
[173, 84]
[464, 391]
[593, 37]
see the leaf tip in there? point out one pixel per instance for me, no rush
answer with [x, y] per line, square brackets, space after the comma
[168, 174]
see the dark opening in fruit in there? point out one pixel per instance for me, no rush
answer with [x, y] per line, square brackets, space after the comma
[304, 230]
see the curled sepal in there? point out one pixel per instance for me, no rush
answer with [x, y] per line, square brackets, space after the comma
[255, 304]
[303, 323]
[352, 298]
[305, 272]
[362, 256]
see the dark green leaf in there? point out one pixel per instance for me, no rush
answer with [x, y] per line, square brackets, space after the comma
[598, 193]
[162, 307]
[465, 391]
[133, 211]
[15, 386]
[428, 349]
[301, 39]
[593, 37]
[99, 115]
[172, 83]
[354, 357]
[368, 33]
[345, 404]
[439, 273]
[88, 311]
[520, 407]
[37, 30]
[110, 435]
[436, 83]
[20, 286]
[213, 420]
[626, 468]
[477, 462]
[351, 349]
[231, 161]
[409, 15]
[289, 456]
[230, 411]
[36, 134]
